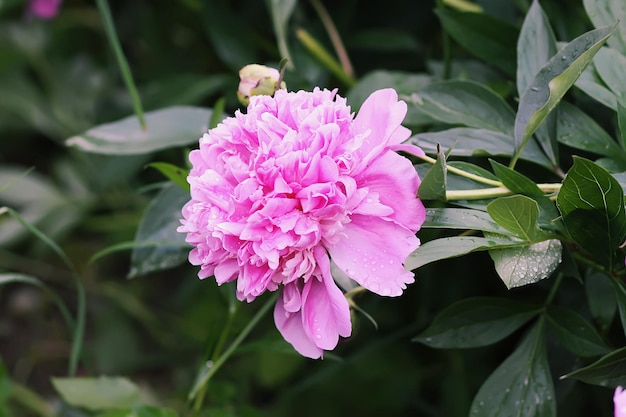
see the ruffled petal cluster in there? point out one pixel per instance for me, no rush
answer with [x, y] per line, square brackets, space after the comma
[296, 181]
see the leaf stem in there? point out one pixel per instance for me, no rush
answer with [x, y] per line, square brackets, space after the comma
[206, 377]
[462, 173]
[481, 193]
[109, 27]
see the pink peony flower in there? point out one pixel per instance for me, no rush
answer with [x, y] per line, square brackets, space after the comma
[298, 180]
[43, 9]
[619, 399]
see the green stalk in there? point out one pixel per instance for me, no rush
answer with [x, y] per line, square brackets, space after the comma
[79, 328]
[333, 34]
[319, 52]
[30, 400]
[204, 379]
[109, 27]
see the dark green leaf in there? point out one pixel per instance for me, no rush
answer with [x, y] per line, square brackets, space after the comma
[605, 13]
[521, 386]
[403, 82]
[459, 218]
[553, 81]
[528, 264]
[281, 11]
[610, 64]
[590, 83]
[601, 298]
[95, 394]
[535, 46]
[609, 371]
[466, 103]
[464, 141]
[486, 37]
[433, 185]
[175, 174]
[474, 322]
[232, 45]
[159, 223]
[621, 123]
[591, 203]
[514, 181]
[578, 130]
[575, 333]
[451, 247]
[171, 127]
[620, 295]
[518, 214]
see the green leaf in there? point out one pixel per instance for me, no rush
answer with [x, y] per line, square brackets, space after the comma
[591, 203]
[433, 185]
[578, 130]
[514, 181]
[281, 11]
[605, 13]
[475, 322]
[404, 83]
[223, 24]
[553, 81]
[140, 411]
[621, 123]
[620, 296]
[527, 265]
[100, 393]
[608, 371]
[466, 103]
[521, 386]
[176, 174]
[575, 333]
[166, 128]
[535, 46]
[518, 214]
[465, 141]
[451, 247]
[601, 298]
[591, 84]
[460, 218]
[610, 64]
[484, 36]
[159, 223]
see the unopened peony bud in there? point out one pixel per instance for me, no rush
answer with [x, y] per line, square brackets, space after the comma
[257, 80]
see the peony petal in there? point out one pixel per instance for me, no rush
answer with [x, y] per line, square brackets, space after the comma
[372, 252]
[380, 118]
[395, 180]
[325, 310]
[291, 328]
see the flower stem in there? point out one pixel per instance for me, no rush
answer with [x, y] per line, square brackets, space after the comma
[204, 379]
[109, 27]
